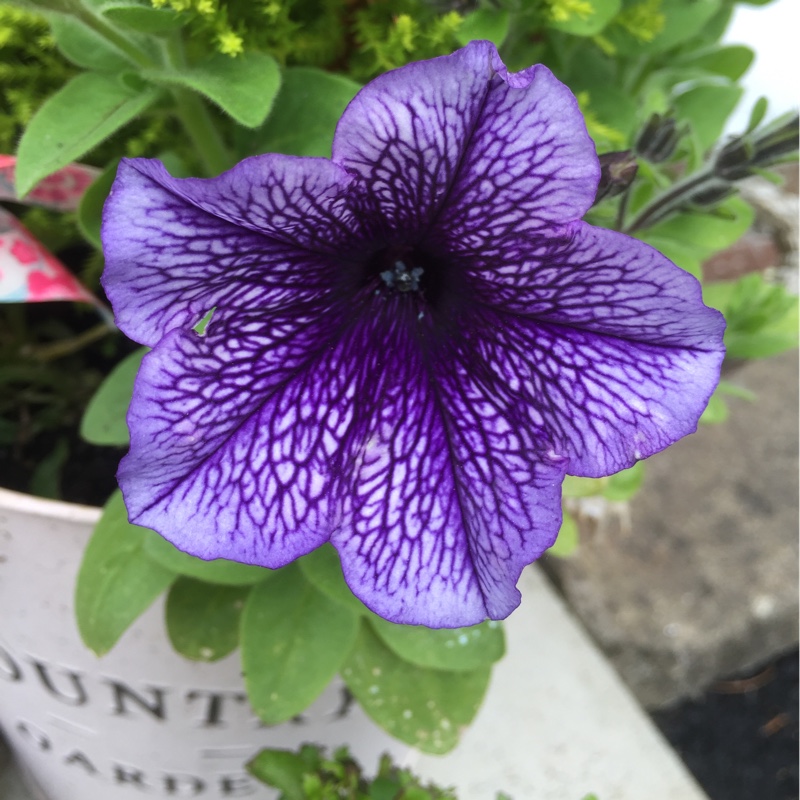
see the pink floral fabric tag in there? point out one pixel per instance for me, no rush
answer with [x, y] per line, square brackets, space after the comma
[29, 273]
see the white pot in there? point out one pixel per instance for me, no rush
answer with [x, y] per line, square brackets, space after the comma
[141, 721]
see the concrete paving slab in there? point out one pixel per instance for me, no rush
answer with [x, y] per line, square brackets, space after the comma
[701, 579]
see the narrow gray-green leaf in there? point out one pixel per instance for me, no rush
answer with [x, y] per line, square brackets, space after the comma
[85, 47]
[447, 648]
[220, 570]
[293, 641]
[71, 122]
[244, 87]
[426, 708]
[116, 581]
[203, 620]
[104, 419]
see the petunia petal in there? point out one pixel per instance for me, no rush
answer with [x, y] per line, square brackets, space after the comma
[597, 280]
[175, 248]
[460, 138]
[452, 494]
[236, 435]
[607, 401]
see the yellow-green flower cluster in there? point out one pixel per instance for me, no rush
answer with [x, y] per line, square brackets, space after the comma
[565, 10]
[644, 20]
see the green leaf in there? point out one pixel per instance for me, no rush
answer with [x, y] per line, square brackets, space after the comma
[716, 411]
[281, 769]
[104, 419]
[85, 47]
[71, 122]
[603, 11]
[203, 620]
[581, 487]
[218, 570]
[293, 641]
[244, 87]
[323, 569]
[690, 238]
[485, 23]
[683, 19]
[566, 542]
[729, 61]
[305, 114]
[625, 484]
[425, 708]
[757, 114]
[142, 18]
[116, 581]
[90, 210]
[447, 648]
[707, 107]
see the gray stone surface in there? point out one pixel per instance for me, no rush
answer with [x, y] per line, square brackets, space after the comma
[699, 578]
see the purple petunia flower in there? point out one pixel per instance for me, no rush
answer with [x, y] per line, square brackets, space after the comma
[411, 343]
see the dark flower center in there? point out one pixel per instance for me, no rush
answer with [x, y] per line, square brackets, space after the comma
[414, 272]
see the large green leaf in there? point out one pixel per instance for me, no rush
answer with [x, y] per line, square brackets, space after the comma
[75, 119]
[690, 238]
[85, 47]
[104, 419]
[203, 620]
[426, 708]
[116, 581]
[707, 106]
[682, 20]
[446, 648]
[729, 61]
[323, 569]
[293, 641]
[305, 114]
[244, 87]
[485, 23]
[219, 570]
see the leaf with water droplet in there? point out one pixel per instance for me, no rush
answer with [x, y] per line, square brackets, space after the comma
[426, 708]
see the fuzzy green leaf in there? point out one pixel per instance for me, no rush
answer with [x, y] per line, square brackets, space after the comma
[244, 87]
[425, 708]
[142, 18]
[75, 119]
[117, 581]
[203, 620]
[293, 641]
[281, 769]
[85, 47]
[447, 648]
[707, 107]
[104, 419]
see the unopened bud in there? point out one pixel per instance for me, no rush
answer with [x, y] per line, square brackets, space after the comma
[617, 171]
[658, 139]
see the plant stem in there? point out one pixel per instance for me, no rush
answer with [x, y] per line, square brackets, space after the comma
[194, 116]
[65, 347]
[679, 192]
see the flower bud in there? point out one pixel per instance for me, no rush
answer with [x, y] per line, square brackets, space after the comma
[617, 171]
[658, 139]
